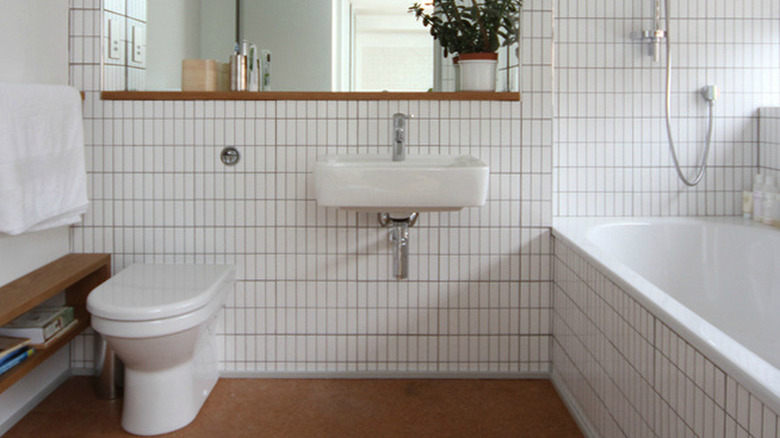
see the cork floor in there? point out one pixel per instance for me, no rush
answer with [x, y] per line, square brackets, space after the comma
[328, 408]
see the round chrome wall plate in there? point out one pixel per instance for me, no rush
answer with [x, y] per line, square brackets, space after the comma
[230, 156]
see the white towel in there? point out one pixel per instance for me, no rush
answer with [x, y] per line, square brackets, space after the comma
[43, 182]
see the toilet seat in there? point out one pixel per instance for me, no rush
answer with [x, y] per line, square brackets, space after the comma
[158, 292]
[153, 328]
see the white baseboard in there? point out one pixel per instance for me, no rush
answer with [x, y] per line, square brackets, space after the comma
[574, 409]
[82, 371]
[33, 402]
[380, 375]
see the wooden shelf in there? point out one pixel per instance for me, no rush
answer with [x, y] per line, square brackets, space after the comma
[305, 95]
[13, 375]
[77, 275]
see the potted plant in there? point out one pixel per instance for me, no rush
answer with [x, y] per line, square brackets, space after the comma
[474, 31]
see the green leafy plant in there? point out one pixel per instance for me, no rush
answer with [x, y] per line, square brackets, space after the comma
[479, 27]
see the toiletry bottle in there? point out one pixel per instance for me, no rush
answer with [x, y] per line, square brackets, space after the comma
[770, 194]
[253, 61]
[265, 56]
[747, 204]
[237, 70]
[776, 212]
[758, 196]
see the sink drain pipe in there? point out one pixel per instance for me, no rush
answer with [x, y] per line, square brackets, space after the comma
[399, 237]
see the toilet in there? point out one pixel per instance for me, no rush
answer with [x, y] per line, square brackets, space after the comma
[160, 320]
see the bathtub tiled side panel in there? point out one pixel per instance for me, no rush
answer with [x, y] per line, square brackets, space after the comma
[630, 374]
[607, 338]
[770, 142]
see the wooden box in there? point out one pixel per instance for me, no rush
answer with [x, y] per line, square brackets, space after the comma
[199, 75]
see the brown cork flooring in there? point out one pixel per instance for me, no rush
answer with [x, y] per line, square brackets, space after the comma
[328, 408]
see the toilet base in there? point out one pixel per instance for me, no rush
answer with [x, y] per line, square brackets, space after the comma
[161, 396]
[159, 402]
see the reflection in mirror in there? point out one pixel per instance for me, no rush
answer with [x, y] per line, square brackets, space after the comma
[186, 29]
[314, 45]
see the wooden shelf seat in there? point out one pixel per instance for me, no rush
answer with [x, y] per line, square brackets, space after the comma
[76, 275]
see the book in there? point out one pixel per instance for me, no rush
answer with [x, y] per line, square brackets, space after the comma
[9, 345]
[56, 336]
[39, 324]
[14, 359]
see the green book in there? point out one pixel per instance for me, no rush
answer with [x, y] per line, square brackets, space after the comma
[39, 324]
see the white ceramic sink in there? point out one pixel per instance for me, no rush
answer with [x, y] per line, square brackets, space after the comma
[367, 182]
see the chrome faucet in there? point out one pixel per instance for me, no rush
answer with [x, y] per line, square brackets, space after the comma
[399, 136]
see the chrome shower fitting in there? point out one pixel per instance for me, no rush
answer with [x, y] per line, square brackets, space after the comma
[710, 94]
[656, 36]
[399, 236]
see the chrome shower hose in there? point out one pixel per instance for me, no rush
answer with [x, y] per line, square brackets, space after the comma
[701, 167]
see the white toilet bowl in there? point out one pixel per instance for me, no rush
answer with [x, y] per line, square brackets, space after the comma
[160, 321]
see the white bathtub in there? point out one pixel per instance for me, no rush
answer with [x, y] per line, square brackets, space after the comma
[715, 281]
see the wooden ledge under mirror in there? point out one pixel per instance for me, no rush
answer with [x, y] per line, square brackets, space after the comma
[308, 95]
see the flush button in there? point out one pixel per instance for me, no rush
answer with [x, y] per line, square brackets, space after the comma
[230, 156]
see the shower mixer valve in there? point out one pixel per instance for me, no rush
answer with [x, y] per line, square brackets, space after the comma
[654, 37]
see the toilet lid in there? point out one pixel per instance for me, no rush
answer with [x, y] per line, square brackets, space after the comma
[148, 292]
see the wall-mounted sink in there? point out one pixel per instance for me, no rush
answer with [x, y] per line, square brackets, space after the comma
[368, 182]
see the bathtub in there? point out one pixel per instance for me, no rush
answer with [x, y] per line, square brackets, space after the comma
[715, 281]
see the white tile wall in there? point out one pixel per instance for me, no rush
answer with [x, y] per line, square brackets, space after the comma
[611, 155]
[536, 169]
[770, 142]
[315, 290]
[631, 375]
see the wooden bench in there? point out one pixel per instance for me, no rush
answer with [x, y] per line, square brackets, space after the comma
[77, 275]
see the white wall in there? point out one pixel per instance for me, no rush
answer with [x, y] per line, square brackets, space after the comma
[173, 34]
[33, 48]
[298, 33]
[217, 29]
[34, 41]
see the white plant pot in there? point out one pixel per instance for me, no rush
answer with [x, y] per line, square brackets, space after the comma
[477, 74]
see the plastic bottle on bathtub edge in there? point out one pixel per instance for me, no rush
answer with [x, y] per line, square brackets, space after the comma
[776, 212]
[769, 201]
[758, 196]
[747, 204]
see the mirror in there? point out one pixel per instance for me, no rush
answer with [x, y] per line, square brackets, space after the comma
[314, 45]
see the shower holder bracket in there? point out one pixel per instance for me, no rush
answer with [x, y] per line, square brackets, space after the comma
[653, 35]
